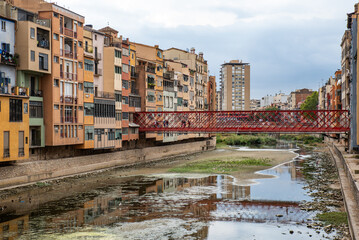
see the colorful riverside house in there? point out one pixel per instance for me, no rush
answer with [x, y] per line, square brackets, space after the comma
[14, 101]
[33, 46]
[88, 91]
[135, 99]
[63, 88]
[112, 83]
[149, 67]
[126, 78]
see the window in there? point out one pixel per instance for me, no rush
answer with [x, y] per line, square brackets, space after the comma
[88, 87]
[80, 65]
[80, 24]
[15, 110]
[118, 97]
[56, 59]
[159, 54]
[56, 82]
[26, 108]
[89, 133]
[32, 56]
[56, 36]
[5, 47]
[3, 26]
[185, 88]
[125, 115]
[125, 84]
[35, 109]
[6, 144]
[117, 53]
[43, 62]
[89, 109]
[56, 128]
[32, 33]
[151, 97]
[56, 107]
[125, 52]
[56, 15]
[118, 70]
[125, 100]
[111, 134]
[95, 37]
[118, 116]
[80, 86]
[80, 44]
[125, 131]
[125, 68]
[21, 144]
[88, 65]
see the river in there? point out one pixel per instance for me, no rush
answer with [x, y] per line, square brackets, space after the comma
[164, 206]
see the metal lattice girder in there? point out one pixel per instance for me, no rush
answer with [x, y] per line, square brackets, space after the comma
[291, 121]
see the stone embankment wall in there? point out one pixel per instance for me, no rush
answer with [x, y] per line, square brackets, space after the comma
[32, 172]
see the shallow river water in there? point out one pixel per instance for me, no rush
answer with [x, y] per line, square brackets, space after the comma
[165, 206]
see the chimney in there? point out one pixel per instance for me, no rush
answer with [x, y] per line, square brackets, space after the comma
[157, 46]
[193, 50]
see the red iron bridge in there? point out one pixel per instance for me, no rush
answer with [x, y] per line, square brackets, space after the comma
[291, 121]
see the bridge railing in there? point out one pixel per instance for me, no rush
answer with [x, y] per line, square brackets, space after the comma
[291, 121]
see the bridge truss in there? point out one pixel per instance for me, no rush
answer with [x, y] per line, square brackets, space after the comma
[291, 121]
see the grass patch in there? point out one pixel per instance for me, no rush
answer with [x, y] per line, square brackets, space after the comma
[246, 140]
[333, 218]
[42, 184]
[220, 166]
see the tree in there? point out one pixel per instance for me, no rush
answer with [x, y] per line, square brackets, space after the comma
[311, 102]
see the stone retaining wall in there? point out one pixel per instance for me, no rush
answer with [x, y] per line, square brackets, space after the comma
[32, 172]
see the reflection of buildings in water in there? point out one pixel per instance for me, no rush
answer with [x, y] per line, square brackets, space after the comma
[13, 229]
[232, 191]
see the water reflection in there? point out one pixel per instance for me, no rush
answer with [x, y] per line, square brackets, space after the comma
[162, 207]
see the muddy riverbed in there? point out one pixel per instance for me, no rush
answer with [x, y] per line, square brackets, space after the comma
[150, 203]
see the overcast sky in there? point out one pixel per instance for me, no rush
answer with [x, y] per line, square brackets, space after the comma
[290, 44]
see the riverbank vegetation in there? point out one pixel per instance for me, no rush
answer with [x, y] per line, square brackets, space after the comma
[303, 138]
[245, 140]
[221, 166]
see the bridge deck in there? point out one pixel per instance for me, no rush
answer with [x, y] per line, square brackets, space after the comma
[291, 121]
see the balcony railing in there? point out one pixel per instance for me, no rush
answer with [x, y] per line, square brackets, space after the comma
[68, 99]
[68, 119]
[6, 153]
[68, 76]
[101, 94]
[151, 70]
[69, 32]
[88, 49]
[21, 152]
[37, 93]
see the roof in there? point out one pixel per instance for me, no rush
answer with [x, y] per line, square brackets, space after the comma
[235, 64]
[108, 29]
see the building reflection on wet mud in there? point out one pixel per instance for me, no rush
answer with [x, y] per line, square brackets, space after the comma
[137, 199]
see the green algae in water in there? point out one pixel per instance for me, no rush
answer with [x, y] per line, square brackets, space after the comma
[333, 218]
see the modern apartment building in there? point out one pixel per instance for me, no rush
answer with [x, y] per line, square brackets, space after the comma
[14, 100]
[211, 95]
[63, 88]
[235, 86]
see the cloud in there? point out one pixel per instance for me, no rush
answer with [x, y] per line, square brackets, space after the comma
[290, 44]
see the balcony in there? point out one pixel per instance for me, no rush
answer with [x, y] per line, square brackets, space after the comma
[69, 32]
[98, 72]
[68, 119]
[109, 95]
[6, 153]
[98, 56]
[21, 152]
[8, 59]
[151, 70]
[68, 76]
[68, 99]
[34, 93]
[88, 50]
